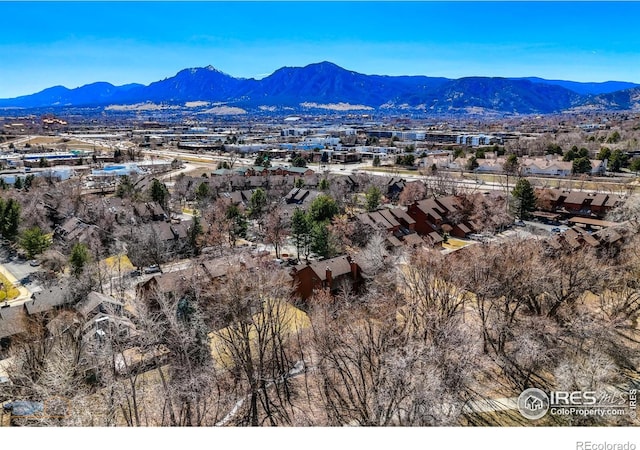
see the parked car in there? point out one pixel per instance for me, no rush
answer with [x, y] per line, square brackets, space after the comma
[519, 223]
[555, 230]
[34, 263]
[477, 237]
[152, 269]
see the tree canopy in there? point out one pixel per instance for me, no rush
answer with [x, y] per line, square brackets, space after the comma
[9, 218]
[79, 258]
[300, 231]
[34, 241]
[299, 161]
[581, 165]
[159, 193]
[524, 199]
[617, 160]
[262, 161]
[257, 203]
[472, 164]
[203, 191]
[373, 196]
[323, 208]
[511, 165]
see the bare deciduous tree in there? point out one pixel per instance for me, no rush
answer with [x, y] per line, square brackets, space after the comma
[276, 228]
[259, 346]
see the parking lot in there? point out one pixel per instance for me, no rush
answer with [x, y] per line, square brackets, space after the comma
[19, 268]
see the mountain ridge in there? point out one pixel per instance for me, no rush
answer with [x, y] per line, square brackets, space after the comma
[328, 83]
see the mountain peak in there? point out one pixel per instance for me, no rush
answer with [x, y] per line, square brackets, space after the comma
[197, 70]
[326, 66]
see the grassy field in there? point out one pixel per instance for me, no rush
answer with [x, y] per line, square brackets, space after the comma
[198, 171]
[71, 144]
[7, 291]
[619, 186]
[597, 184]
[455, 244]
[390, 170]
[116, 262]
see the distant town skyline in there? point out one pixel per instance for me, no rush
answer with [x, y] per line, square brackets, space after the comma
[43, 44]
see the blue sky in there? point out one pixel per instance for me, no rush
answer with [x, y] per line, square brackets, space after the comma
[43, 44]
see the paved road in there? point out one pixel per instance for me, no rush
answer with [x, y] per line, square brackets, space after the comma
[545, 228]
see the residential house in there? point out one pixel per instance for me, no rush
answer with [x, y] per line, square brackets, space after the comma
[181, 230]
[170, 283]
[577, 202]
[310, 181]
[330, 274]
[400, 227]
[572, 239]
[414, 241]
[488, 165]
[103, 316]
[393, 242]
[578, 237]
[297, 196]
[549, 166]
[14, 320]
[163, 232]
[220, 267]
[406, 221]
[395, 186]
[441, 214]
[237, 197]
[434, 239]
[149, 211]
[97, 303]
[48, 299]
[428, 215]
[73, 231]
[546, 167]
[279, 170]
[156, 211]
[167, 284]
[381, 219]
[603, 203]
[598, 167]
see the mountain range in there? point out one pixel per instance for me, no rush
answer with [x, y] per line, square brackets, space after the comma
[325, 84]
